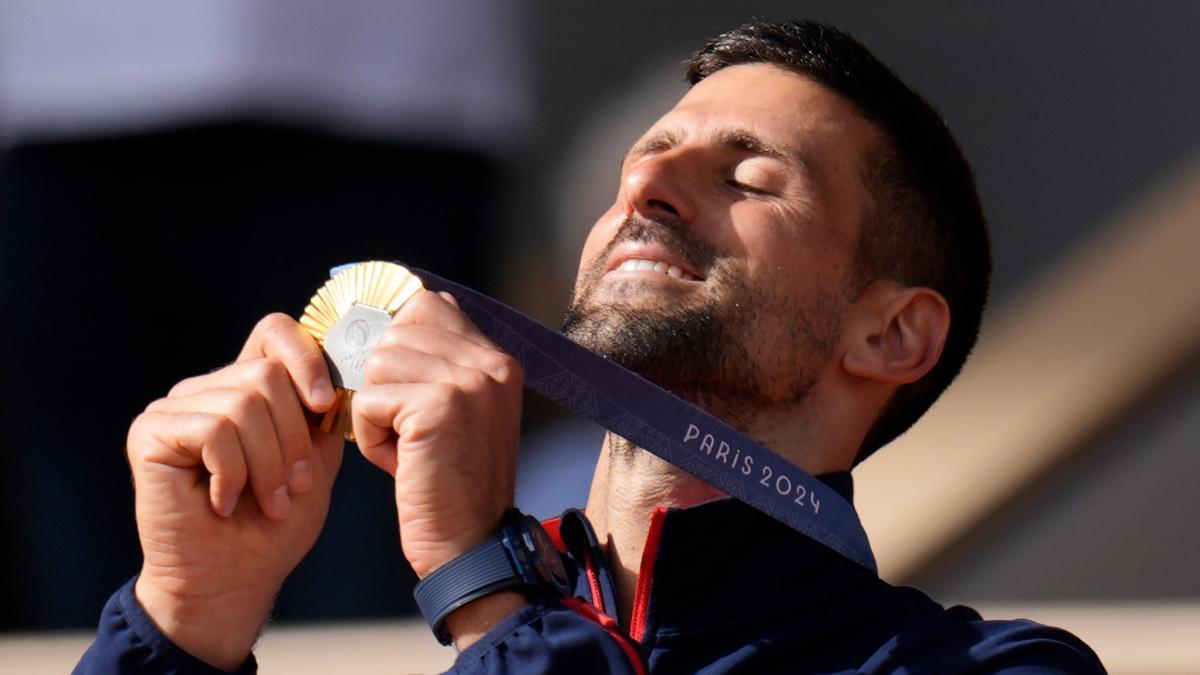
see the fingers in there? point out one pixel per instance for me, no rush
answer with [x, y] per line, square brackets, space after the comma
[441, 412]
[412, 394]
[278, 336]
[270, 379]
[253, 446]
[380, 415]
[186, 440]
[431, 323]
[450, 299]
[433, 360]
[375, 413]
[282, 338]
[440, 310]
[423, 354]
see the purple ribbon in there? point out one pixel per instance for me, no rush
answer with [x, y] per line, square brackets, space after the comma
[660, 422]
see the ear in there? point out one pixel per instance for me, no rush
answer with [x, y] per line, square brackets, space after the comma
[897, 333]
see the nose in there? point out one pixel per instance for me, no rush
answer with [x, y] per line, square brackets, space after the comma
[658, 186]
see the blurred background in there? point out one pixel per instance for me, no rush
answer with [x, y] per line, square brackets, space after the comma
[171, 171]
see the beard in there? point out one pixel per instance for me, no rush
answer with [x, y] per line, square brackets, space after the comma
[737, 352]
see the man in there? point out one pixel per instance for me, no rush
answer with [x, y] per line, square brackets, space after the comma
[797, 247]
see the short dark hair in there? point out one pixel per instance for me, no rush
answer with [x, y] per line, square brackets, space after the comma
[924, 225]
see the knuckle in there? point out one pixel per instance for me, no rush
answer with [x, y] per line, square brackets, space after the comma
[448, 395]
[375, 365]
[478, 380]
[273, 322]
[244, 404]
[217, 428]
[364, 400]
[419, 305]
[311, 357]
[138, 429]
[181, 386]
[266, 372]
[394, 335]
[153, 406]
[296, 442]
[424, 298]
[504, 368]
[449, 299]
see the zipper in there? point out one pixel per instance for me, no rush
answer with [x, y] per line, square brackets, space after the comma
[641, 597]
[594, 582]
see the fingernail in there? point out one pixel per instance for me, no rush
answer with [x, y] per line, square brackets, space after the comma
[300, 477]
[226, 505]
[322, 392]
[281, 504]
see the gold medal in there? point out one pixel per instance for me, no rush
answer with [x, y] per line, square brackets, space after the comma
[348, 316]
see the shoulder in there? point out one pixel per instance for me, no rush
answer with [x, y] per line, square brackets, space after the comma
[961, 641]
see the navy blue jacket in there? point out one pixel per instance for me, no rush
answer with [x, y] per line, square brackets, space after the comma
[722, 589]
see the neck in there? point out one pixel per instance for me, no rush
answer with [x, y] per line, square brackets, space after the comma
[628, 485]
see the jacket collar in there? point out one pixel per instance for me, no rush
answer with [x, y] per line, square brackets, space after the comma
[722, 559]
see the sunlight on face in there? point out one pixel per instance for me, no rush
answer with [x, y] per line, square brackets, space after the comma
[723, 268]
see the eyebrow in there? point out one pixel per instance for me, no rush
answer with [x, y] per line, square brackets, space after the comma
[729, 137]
[664, 139]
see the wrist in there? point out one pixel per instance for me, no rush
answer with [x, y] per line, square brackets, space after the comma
[486, 583]
[433, 553]
[431, 559]
[475, 619]
[219, 630]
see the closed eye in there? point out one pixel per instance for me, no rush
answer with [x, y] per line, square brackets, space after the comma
[746, 187]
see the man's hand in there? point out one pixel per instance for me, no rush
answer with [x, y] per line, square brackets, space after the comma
[232, 488]
[441, 411]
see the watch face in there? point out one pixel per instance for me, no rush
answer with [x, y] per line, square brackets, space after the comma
[543, 557]
[551, 561]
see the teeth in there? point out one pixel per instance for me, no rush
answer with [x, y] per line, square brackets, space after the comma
[634, 264]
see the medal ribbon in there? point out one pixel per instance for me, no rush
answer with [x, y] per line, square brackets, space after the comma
[660, 422]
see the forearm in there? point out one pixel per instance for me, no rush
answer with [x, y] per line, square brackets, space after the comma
[129, 643]
[475, 619]
[219, 631]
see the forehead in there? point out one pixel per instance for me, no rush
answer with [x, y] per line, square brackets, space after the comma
[823, 131]
[782, 108]
[771, 96]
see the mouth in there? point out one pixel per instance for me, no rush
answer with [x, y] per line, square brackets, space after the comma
[642, 264]
[652, 259]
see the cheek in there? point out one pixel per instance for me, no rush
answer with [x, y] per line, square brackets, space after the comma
[769, 242]
[590, 262]
[794, 248]
[599, 237]
[592, 248]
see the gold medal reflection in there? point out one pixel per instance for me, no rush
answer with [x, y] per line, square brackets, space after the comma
[380, 285]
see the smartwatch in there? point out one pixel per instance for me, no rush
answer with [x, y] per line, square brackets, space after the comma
[519, 556]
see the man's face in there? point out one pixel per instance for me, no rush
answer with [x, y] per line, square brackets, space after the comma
[724, 268]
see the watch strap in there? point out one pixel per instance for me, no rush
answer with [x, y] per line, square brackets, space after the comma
[483, 570]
